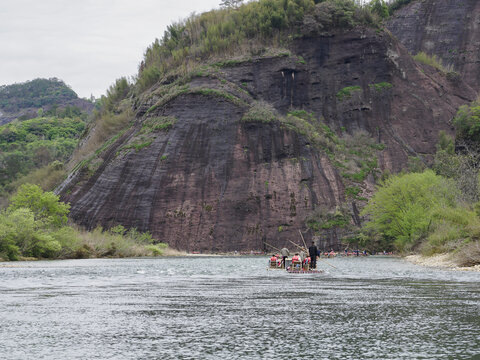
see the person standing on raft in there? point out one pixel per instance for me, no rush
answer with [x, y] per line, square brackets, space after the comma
[313, 251]
[285, 253]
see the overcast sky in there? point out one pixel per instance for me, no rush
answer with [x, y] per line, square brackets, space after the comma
[86, 43]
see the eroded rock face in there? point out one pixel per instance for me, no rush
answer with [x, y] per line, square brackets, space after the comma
[211, 183]
[214, 183]
[446, 28]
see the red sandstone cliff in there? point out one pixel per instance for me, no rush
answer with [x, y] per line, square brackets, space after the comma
[216, 183]
[446, 28]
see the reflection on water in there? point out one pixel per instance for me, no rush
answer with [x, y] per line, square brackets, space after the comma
[219, 307]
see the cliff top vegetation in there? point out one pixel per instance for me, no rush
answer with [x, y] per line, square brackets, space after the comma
[248, 29]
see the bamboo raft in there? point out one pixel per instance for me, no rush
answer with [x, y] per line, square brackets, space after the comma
[304, 271]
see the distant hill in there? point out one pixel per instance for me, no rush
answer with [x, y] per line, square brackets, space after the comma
[23, 100]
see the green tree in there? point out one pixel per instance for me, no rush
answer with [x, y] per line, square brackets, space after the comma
[45, 206]
[21, 234]
[401, 210]
[380, 8]
[116, 93]
[467, 122]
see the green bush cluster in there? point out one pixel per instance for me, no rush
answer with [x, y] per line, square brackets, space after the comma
[29, 226]
[313, 129]
[421, 210]
[117, 92]
[356, 156]
[259, 112]
[35, 225]
[347, 92]
[433, 211]
[322, 219]
[467, 122]
[156, 124]
[382, 86]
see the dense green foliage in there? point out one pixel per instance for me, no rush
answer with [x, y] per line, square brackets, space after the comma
[347, 92]
[250, 28]
[117, 92]
[380, 8]
[422, 211]
[467, 122]
[34, 225]
[379, 87]
[403, 207]
[35, 94]
[30, 144]
[45, 206]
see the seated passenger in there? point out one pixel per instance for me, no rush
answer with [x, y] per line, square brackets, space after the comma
[273, 261]
[306, 263]
[296, 260]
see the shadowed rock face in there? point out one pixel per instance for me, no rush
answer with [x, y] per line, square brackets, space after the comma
[215, 183]
[446, 28]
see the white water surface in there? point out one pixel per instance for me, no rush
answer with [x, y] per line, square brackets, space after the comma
[234, 308]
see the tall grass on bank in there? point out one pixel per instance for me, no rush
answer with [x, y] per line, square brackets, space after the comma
[115, 242]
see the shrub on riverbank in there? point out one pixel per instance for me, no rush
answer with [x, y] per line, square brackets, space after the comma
[421, 211]
[35, 226]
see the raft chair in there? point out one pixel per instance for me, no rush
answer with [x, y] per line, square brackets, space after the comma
[296, 265]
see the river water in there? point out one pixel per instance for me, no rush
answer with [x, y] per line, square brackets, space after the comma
[234, 308]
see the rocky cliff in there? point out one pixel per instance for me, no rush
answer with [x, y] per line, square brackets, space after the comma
[446, 28]
[202, 175]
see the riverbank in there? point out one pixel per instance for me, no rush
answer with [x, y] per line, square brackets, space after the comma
[444, 261]
[165, 252]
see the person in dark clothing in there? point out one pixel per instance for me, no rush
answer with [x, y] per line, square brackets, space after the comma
[285, 253]
[313, 251]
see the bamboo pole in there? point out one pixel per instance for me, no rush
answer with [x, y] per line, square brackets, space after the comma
[273, 247]
[300, 247]
[304, 243]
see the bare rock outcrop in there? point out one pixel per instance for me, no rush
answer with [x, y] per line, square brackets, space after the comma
[448, 29]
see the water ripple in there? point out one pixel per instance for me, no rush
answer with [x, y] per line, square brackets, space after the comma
[212, 308]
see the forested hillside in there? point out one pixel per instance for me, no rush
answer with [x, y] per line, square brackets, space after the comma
[52, 96]
[37, 143]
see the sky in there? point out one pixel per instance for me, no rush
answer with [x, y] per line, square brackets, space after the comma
[86, 43]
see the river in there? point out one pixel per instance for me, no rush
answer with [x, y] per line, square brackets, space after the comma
[234, 308]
